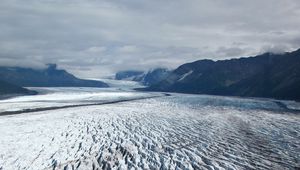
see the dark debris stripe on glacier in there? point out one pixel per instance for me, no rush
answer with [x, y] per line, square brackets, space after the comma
[161, 133]
[89, 103]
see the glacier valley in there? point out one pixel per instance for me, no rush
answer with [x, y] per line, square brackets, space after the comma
[119, 128]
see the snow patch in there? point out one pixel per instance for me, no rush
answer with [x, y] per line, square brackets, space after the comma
[185, 75]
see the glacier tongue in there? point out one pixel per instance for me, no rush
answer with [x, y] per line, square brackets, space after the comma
[173, 132]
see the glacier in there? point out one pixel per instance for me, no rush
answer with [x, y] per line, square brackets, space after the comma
[145, 130]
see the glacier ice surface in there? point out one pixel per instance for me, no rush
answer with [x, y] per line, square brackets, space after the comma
[170, 132]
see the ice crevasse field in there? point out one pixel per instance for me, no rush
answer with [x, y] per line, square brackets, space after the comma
[119, 128]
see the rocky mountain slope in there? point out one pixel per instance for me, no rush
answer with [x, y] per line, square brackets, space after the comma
[266, 75]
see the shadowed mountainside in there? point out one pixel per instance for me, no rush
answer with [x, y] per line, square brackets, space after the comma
[128, 74]
[50, 77]
[10, 89]
[148, 78]
[266, 75]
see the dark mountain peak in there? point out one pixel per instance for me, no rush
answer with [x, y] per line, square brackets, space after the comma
[297, 51]
[199, 66]
[51, 66]
[52, 70]
[158, 70]
[204, 61]
[200, 62]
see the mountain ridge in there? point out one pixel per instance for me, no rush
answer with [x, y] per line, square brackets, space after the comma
[265, 75]
[49, 77]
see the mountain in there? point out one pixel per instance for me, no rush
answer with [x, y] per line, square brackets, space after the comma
[148, 78]
[49, 77]
[154, 76]
[266, 75]
[128, 75]
[10, 89]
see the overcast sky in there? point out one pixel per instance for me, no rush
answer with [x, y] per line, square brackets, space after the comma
[95, 38]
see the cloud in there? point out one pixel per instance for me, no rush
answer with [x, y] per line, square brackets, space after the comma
[128, 49]
[97, 38]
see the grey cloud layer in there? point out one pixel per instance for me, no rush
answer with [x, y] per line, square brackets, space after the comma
[93, 38]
